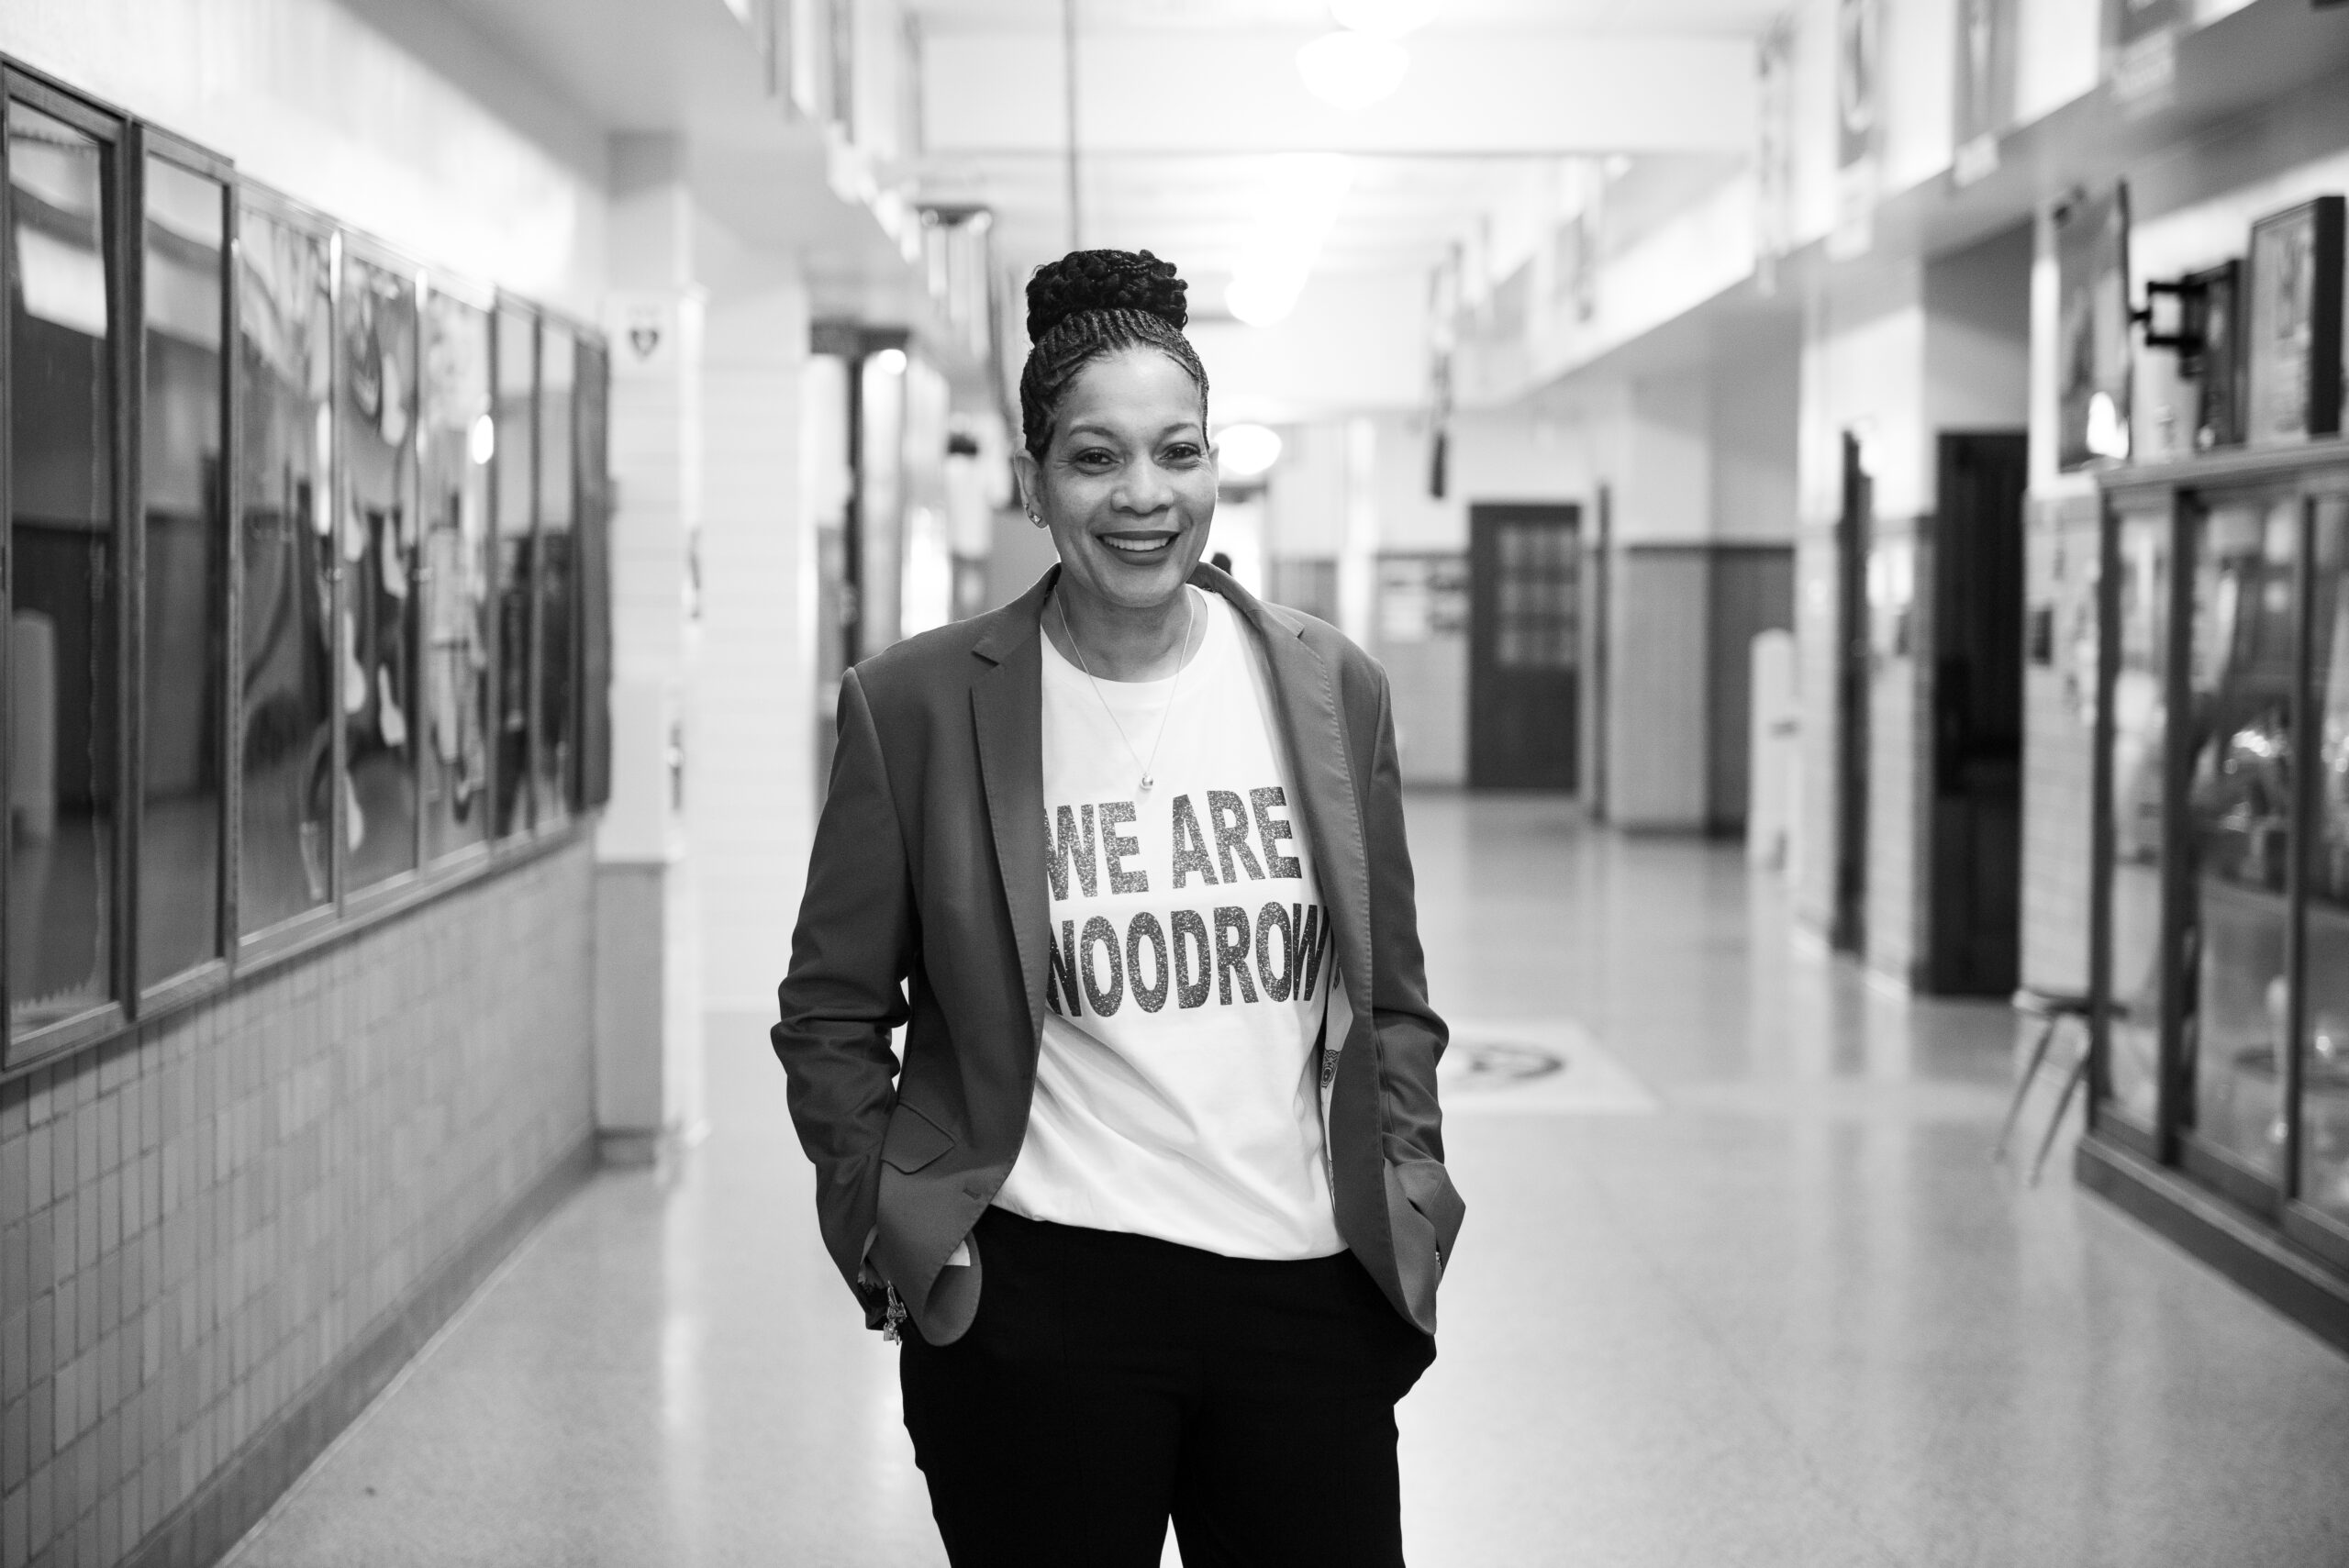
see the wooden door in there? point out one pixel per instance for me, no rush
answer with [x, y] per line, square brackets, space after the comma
[1524, 646]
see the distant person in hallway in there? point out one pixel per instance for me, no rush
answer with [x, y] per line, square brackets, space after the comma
[1158, 1202]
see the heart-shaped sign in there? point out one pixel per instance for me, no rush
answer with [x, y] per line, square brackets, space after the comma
[644, 339]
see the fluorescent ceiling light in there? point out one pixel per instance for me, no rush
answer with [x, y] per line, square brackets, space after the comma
[1246, 452]
[1296, 205]
[1352, 71]
[1388, 19]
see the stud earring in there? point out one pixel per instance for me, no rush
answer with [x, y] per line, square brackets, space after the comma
[1035, 517]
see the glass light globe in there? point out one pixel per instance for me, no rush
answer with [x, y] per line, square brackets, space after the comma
[1352, 71]
[1244, 451]
[1261, 300]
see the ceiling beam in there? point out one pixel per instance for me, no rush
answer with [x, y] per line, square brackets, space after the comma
[1468, 95]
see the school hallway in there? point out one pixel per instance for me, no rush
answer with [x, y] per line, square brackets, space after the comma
[1740, 1285]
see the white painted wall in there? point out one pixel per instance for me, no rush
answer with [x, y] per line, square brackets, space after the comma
[1356, 343]
[400, 121]
[751, 810]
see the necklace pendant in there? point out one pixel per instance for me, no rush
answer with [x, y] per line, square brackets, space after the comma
[1148, 783]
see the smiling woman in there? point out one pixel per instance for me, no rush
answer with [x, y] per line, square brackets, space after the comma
[1139, 838]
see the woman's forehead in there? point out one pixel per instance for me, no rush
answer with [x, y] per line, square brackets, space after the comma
[1132, 388]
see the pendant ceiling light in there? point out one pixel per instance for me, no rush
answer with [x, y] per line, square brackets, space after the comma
[1352, 71]
[1386, 18]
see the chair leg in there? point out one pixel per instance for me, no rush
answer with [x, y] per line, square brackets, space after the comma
[2063, 1104]
[2023, 1088]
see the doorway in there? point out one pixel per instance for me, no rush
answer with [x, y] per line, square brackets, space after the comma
[1848, 929]
[1602, 560]
[1524, 646]
[1973, 823]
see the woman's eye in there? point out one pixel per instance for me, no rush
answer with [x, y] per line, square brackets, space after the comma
[1183, 453]
[1095, 458]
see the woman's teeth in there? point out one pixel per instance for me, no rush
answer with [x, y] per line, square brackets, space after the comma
[1140, 546]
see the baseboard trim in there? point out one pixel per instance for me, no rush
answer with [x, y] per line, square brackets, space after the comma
[2249, 1254]
[200, 1532]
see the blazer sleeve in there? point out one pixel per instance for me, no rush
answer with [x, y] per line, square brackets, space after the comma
[844, 993]
[1412, 1038]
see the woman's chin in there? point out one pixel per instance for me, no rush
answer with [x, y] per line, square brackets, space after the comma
[1137, 581]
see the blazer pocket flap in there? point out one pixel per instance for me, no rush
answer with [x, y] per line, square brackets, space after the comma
[1426, 1186]
[913, 1141]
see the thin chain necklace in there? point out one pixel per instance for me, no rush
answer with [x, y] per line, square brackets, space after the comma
[1149, 769]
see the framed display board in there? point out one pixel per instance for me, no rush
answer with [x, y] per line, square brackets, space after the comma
[2293, 346]
[2092, 330]
[2217, 363]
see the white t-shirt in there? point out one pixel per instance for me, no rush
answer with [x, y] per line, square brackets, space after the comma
[1176, 1092]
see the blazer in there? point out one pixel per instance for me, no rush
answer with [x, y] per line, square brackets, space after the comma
[926, 907]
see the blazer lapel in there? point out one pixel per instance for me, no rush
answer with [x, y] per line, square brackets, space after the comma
[1306, 690]
[1007, 712]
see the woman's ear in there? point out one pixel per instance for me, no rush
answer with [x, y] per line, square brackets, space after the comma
[1031, 475]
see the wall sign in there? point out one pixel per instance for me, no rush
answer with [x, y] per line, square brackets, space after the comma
[1984, 99]
[2092, 330]
[1773, 153]
[2140, 49]
[1859, 32]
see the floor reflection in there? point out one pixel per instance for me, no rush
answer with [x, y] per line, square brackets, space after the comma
[1790, 1317]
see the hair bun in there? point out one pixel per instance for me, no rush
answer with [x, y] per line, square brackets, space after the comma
[1104, 280]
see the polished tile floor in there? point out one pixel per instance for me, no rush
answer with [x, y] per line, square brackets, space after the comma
[1757, 1299]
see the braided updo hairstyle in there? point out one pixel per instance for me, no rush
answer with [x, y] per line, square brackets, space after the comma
[1088, 305]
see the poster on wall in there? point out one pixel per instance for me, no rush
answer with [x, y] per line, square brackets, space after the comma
[1985, 98]
[2092, 330]
[2292, 345]
[1774, 153]
[1859, 31]
[2140, 49]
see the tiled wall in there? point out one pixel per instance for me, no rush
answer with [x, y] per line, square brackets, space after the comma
[2058, 753]
[201, 1226]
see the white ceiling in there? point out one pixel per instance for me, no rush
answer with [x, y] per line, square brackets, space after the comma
[1418, 189]
[1400, 215]
[1646, 17]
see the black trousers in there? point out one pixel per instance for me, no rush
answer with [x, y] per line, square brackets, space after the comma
[1111, 1381]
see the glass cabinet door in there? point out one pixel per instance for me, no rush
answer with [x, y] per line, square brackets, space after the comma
[285, 349]
[62, 711]
[515, 466]
[558, 375]
[183, 434]
[460, 439]
[2239, 808]
[2324, 1061]
[2139, 717]
[381, 555]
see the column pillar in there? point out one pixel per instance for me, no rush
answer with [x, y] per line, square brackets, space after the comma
[648, 963]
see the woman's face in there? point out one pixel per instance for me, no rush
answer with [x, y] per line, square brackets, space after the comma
[1128, 484]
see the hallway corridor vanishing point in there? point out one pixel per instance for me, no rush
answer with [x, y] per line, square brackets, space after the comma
[1737, 1287]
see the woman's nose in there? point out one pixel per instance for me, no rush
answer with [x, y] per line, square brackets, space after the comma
[1144, 489]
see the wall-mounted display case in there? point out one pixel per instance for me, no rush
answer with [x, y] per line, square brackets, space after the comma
[305, 568]
[2220, 966]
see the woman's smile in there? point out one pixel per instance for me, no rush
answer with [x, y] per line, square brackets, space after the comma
[1141, 547]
